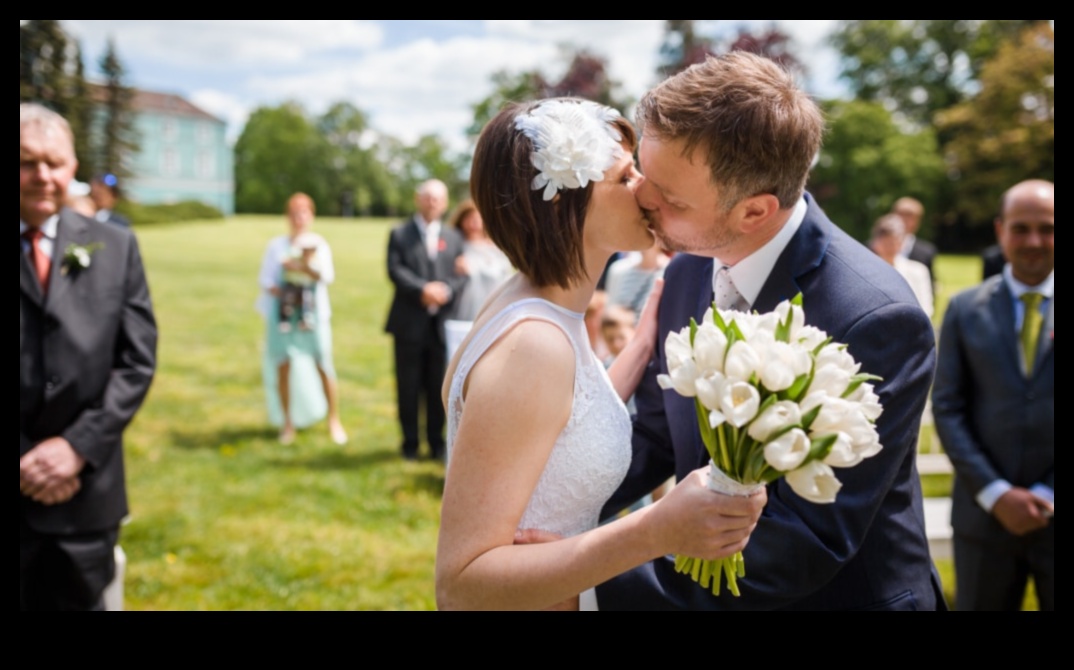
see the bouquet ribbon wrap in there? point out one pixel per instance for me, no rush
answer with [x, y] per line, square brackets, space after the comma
[710, 574]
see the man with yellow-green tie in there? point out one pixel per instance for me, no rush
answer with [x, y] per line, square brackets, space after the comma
[994, 408]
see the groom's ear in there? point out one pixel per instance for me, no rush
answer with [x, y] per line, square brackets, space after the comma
[754, 212]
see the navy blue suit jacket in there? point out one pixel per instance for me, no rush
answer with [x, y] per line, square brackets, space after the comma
[868, 550]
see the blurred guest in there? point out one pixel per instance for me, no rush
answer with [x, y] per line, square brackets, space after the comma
[87, 351]
[911, 211]
[423, 258]
[283, 256]
[992, 261]
[886, 240]
[616, 329]
[594, 316]
[482, 262]
[630, 279]
[994, 403]
[83, 204]
[105, 193]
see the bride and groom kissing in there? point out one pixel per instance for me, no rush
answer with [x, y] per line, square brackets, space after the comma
[541, 447]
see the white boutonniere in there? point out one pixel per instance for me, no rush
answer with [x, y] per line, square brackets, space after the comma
[78, 256]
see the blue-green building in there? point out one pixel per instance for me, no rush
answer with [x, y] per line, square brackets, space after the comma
[183, 154]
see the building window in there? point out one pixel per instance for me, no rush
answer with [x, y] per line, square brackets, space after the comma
[169, 165]
[205, 166]
[205, 133]
[169, 130]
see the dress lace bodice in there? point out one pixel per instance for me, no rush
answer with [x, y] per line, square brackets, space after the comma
[592, 454]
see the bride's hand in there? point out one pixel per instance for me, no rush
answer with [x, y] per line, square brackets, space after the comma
[694, 521]
[629, 366]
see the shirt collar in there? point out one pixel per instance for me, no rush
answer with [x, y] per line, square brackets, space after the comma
[48, 228]
[424, 225]
[751, 273]
[1017, 288]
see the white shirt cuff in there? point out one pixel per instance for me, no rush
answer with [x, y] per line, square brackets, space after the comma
[990, 494]
[587, 601]
[1042, 491]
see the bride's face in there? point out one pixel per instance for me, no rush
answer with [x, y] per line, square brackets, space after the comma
[614, 221]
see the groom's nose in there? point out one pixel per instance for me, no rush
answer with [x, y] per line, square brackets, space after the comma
[644, 195]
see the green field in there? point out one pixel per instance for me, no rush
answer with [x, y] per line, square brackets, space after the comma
[225, 518]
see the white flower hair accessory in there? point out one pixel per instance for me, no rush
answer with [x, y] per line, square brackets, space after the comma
[574, 143]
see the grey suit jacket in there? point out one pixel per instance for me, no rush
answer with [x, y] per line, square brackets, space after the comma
[87, 354]
[993, 420]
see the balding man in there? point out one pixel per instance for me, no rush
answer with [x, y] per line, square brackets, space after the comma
[994, 409]
[422, 255]
[87, 352]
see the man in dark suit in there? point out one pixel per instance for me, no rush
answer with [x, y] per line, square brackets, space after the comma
[994, 405]
[726, 148]
[87, 345]
[103, 192]
[422, 256]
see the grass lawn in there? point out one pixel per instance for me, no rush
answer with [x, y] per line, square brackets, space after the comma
[224, 517]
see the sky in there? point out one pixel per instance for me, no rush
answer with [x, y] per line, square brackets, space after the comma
[411, 77]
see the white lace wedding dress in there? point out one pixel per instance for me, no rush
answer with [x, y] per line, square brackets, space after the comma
[591, 455]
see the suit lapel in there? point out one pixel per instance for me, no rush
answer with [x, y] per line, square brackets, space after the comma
[804, 252]
[28, 280]
[71, 230]
[1044, 343]
[1001, 305]
[417, 242]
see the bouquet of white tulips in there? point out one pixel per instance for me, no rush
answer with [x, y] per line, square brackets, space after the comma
[775, 398]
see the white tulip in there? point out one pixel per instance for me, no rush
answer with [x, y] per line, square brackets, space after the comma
[830, 379]
[797, 317]
[866, 396]
[677, 348]
[709, 389]
[837, 355]
[682, 378]
[741, 362]
[710, 346]
[815, 482]
[776, 417]
[782, 364]
[787, 451]
[739, 403]
[810, 337]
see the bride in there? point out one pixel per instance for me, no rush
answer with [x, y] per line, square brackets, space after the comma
[538, 435]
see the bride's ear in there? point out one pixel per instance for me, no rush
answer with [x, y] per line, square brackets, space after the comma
[755, 211]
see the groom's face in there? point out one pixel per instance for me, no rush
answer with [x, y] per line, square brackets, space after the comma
[680, 199]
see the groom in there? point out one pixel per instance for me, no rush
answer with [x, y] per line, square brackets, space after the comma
[726, 149]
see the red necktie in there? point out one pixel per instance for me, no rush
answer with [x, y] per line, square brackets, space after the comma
[38, 258]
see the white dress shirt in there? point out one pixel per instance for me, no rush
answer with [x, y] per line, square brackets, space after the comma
[48, 237]
[750, 274]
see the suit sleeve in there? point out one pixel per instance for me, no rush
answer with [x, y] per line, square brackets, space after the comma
[952, 396]
[98, 429]
[408, 283]
[798, 547]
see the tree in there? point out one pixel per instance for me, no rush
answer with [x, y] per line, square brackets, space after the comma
[586, 76]
[1005, 133]
[359, 180]
[118, 139]
[51, 73]
[919, 67]
[683, 47]
[278, 153]
[868, 161]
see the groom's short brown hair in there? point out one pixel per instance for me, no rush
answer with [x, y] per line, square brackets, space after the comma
[542, 238]
[759, 132]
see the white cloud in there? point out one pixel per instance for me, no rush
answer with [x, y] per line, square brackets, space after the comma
[225, 106]
[230, 43]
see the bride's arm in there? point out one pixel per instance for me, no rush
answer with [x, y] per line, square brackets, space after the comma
[518, 401]
[629, 365]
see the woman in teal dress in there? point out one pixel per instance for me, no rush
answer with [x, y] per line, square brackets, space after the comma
[298, 348]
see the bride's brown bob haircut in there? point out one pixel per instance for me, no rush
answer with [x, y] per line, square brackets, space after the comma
[542, 238]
